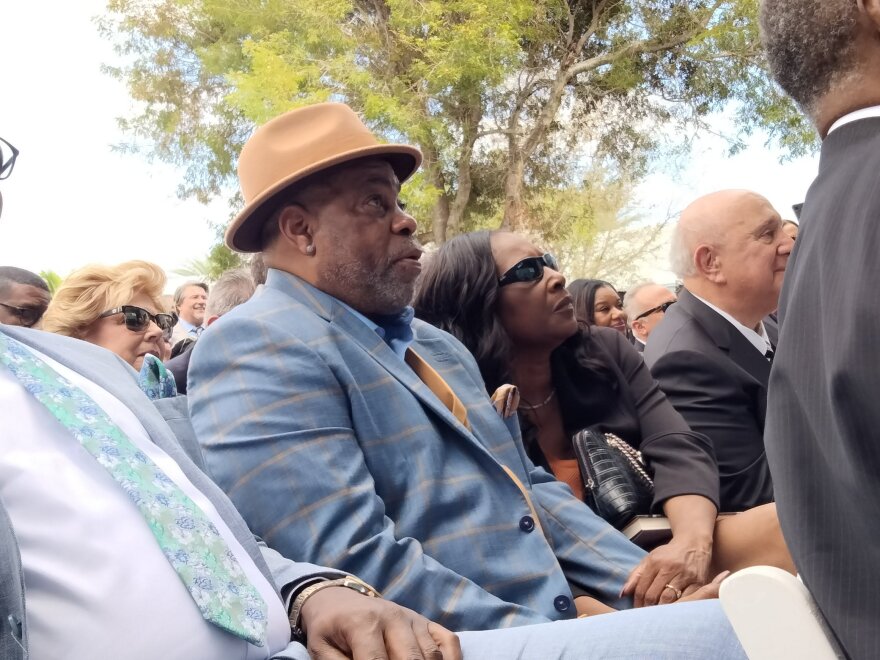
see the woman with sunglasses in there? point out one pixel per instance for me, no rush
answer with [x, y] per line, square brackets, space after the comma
[119, 308]
[507, 302]
[596, 302]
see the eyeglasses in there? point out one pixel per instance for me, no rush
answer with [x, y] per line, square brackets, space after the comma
[27, 316]
[8, 154]
[137, 319]
[530, 269]
[659, 308]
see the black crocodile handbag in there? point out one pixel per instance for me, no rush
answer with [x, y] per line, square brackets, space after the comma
[617, 486]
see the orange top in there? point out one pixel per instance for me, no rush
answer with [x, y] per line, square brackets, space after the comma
[566, 470]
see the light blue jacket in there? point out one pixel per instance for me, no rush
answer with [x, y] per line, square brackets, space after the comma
[336, 453]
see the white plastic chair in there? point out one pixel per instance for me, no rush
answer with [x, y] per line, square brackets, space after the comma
[775, 617]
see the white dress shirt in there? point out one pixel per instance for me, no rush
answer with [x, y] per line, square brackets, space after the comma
[97, 583]
[864, 113]
[758, 339]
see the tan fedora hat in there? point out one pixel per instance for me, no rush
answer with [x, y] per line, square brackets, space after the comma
[298, 144]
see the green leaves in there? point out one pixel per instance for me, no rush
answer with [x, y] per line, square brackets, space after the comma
[513, 102]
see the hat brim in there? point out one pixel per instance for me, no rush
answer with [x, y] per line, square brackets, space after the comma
[245, 231]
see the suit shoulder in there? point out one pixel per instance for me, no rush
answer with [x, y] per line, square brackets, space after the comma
[676, 332]
[69, 351]
[610, 339]
[424, 332]
[270, 311]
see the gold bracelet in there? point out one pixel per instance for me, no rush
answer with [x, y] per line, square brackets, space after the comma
[349, 582]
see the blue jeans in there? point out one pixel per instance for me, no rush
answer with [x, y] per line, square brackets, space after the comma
[684, 631]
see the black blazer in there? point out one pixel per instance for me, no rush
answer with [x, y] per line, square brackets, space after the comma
[627, 402]
[717, 380]
[823, 419]
[179, 366]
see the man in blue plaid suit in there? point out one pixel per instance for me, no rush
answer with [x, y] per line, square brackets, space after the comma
[351, 435]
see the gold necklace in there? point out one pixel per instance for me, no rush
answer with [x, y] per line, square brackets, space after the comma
[543, 403]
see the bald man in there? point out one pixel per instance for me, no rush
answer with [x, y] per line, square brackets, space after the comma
[645, 306]
[711, 355]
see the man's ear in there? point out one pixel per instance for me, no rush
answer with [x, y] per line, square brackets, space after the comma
[708, 264]
[872, 11]
[637, 327]
[211, 319]
[295, 225]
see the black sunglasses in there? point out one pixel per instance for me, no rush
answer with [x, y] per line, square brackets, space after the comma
[7, 161]
[659, 308]
[27, 316]
[137, 319]
[530, 269]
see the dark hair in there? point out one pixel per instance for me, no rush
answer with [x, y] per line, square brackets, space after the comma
[11, 275]
[810, 45]
[459, 293]
[584, 294]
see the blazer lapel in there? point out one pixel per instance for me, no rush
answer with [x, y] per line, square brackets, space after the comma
[331, 310]
[744, 353]
[727, 338]
[385, 357]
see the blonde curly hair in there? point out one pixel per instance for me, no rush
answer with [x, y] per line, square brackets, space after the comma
[92, 290]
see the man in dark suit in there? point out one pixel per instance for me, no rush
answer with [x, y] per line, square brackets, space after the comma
[711, 354]
[645, 305]
[232, 289]
[823, 416]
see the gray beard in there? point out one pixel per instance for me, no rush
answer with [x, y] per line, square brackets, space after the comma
[366, 290]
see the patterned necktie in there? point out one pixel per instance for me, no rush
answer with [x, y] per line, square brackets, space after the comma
[188, 539]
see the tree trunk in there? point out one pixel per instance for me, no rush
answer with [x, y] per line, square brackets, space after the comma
[514, 205]
[471, 129]
[434, 176]
[440, 219]
[521, 152]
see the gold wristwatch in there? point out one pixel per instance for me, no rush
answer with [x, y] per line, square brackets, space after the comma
[349, 582]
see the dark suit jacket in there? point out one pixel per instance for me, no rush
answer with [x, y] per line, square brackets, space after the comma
[634, 409]
[823, 422]
[717, 380]
[179, 366]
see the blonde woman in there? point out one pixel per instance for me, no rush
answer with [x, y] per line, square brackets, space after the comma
[118, 308]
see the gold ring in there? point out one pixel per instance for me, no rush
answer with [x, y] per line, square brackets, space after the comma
[677, 591]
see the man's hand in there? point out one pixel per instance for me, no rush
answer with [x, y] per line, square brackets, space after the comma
[341, 623]
[680, 563]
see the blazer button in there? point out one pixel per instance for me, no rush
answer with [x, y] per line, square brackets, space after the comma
[562, 603]
[526, 524]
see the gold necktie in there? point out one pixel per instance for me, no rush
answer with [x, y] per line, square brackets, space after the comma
[438, 386]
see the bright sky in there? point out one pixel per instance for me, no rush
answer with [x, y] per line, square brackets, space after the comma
[71, 200]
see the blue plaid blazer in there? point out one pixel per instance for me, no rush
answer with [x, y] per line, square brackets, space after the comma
[336, 453]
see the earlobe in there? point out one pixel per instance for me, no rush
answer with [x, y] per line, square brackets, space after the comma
[294, 224]
[871, 8]
[708, 264]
